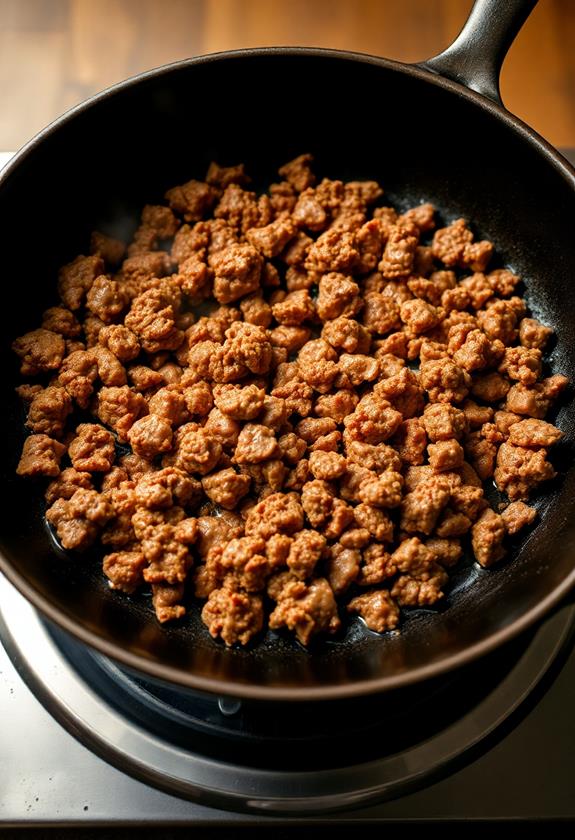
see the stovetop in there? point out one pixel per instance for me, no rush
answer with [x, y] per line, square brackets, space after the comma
[523, 769]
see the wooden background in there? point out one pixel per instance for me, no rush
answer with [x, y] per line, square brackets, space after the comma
[54, 53]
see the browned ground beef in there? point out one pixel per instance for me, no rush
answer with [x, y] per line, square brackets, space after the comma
[308, 388]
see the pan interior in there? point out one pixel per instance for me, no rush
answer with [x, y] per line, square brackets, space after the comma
[360, 119]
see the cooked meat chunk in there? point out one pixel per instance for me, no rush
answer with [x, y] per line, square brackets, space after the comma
[377, 608]
[66, 485]
[522, 364]
[454, 246]
[327, 466]
[305, 551]
[197, 451]
[124, 570]
[487, 538]
[111, 250]
[272, 239]
[40, 351]
[532, 334]
[75, 279]
[400, 250]
[520, 470]
[40, 456]
[92, 450]
[516, 516]
[445, 455]
[342, 567]
[382, 491]
[121, 341]
[49, 410]
[240, 403]
[279, 513]
[150, 436]
[78, 519]
[444, 381]
[119, 408]
[226, 487]
[245, 559]
[443, 422]
[534, 433]
[152, 319]
[60, 320]
[256, 443]
[166, 598]
[421, 507]
[192, 199]
[237, 273]
[106, 299]
[307, 609]
[233, 615]
[422, 591]
[165, 488]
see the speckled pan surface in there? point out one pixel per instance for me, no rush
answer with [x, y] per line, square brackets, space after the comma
[423, 139]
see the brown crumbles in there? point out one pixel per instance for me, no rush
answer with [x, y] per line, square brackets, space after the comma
[285, 405]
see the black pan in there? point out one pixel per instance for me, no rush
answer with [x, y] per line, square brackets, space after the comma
[436, 132]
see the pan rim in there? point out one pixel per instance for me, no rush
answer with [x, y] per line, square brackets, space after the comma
[417, 70]
[170, 674]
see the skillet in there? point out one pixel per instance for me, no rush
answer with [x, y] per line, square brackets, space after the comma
[432, 132]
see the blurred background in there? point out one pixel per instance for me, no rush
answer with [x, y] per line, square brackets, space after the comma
[54, 53]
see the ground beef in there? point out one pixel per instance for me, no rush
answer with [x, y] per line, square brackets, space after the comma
[233, 615]
[377, 608]
[75, 278]
[150, 436]
[487, 538]
[49, 410]
[519, 470]
[535, 433]
[92, 450]
[40, 351]
[165, 599]
[424, 591]
[306, 609]
[516, 516]
[78, 519]
[40, 456]
[290, 398]
[124, 570]
[421, 507]
[226, 487]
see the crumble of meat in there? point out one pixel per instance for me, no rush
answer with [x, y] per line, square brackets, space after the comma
[124, 570]
[306, 609]
[48, 411]
[377, 608]
[165, 599]
[41, 455]
[75, 278]
[233, 615]
[423, 591]
[516, 516]
[487, 538]
[40, 351]
[78, 519]
[519, 470]
[92, 450]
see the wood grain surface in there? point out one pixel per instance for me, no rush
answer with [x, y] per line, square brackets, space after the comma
[54, 53]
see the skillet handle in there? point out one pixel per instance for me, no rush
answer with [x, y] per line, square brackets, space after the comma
[475, 57]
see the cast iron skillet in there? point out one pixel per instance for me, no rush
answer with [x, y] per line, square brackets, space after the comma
[436, 132]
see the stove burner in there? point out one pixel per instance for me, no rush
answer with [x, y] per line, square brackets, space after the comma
[276, 757]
